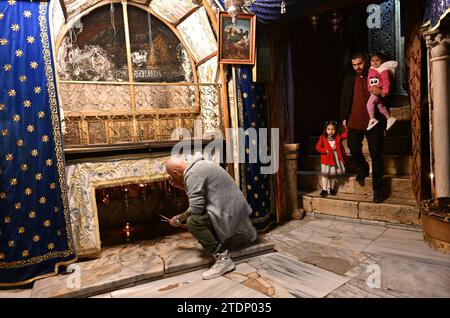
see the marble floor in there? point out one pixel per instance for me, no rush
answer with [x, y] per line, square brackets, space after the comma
[314, 257]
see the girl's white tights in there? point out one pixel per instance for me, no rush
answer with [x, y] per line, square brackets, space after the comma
[328, 182]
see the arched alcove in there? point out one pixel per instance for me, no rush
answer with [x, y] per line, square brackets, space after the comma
[130, 73]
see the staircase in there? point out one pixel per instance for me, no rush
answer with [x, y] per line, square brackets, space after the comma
[354, 200]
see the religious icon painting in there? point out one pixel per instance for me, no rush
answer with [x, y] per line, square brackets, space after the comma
[237, 40]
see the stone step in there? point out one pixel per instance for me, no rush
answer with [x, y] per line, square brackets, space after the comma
[397, 145]
[398, 165]
[395, 187]
[360, 206]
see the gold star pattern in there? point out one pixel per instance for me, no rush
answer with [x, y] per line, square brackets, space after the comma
[13, 181]
[253, 105]
[244, 76]
[32, 214]
[245, 95]
[11, 2]
[16, 118]
[45, 138]
[36, 238]
[34, 152]
[19, 142]
[2, 195]
[5, 132]
[34, 65]
[24, 167]
[3, 41]
[26, 103]
[42, 200]
[7, 67]
[7, 219]
[15, 27]
[38, 176]
[47, 223]
[9, 157]
[28, 191]
[255, 195]
[27, 14]
[49, 162]
[25, 253]
[21, 230]
[19, 53]
[30, 39]
[30, 128]
[11, 243]
[2, 107]
[51, 246]
[41, 114]
[1, 15]
[12, 92]
[17, 205]
[22, 78]
[58, 232]
[249, 187]
[52, 186]
[37, 90]
[55, 209]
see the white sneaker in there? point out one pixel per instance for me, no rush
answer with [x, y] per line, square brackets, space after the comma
[372, 123]
[223, 265]
[390, 122]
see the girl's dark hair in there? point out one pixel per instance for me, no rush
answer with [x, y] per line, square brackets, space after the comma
[330, 122]
[383, 57]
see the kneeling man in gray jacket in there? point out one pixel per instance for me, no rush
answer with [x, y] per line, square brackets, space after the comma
[218, 213]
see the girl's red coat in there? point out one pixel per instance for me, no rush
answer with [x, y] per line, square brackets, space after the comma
[326, 153]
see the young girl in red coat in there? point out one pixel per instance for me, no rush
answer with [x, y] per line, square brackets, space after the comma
[333, 156]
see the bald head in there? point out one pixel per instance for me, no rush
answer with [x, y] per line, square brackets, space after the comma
[175, 167]
[176, 164]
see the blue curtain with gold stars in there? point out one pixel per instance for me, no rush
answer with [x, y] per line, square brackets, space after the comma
[35, 234]
[252, 112]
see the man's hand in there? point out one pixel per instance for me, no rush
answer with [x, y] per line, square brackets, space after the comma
[175, 221]
[178, 219]
[344, 122]
[375, 91]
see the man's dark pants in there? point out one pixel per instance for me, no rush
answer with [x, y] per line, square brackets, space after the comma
[375, 139]
[201, 227]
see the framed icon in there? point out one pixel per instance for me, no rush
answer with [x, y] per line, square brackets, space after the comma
[237, 40]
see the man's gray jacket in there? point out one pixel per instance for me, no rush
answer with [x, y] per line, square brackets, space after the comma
[211, 189]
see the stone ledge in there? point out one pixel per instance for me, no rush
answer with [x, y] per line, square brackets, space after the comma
[133, 264]
[396, 187]
[397, 211]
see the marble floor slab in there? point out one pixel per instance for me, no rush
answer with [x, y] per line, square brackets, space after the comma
[407, 243]
[332, 258]
[352, 242]
[189, 285]
[359, 289]
[299, 279]
[408, 276]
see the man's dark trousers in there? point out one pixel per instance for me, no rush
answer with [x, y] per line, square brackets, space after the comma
[375, 139]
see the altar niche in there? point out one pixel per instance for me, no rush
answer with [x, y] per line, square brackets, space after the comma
[134, 212]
